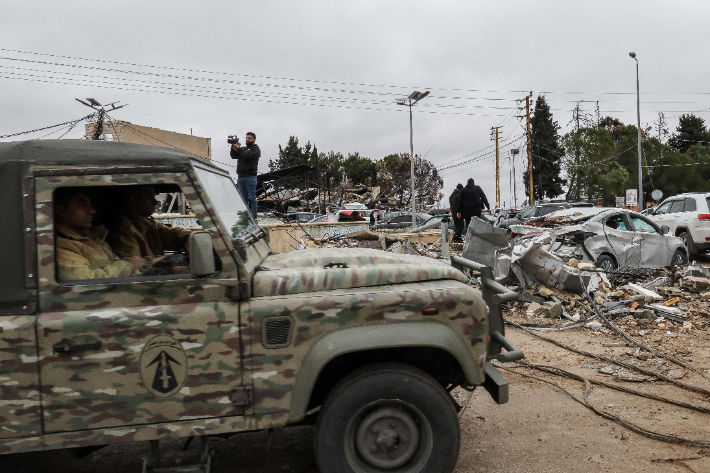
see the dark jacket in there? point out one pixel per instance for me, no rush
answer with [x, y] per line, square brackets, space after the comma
[454, 200]
[472, 196]
[247, 159]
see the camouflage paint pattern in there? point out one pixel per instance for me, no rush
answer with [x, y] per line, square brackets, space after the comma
[307, 271]
[19, 381]
[101, 396]
[274, 371]
[104, 388]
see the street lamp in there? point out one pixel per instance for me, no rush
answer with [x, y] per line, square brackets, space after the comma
[413, 98]
[638, 118]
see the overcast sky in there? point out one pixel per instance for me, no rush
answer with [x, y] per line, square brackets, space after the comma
[291, 68]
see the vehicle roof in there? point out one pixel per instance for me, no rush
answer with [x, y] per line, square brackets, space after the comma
[16, 158]
[90, 152]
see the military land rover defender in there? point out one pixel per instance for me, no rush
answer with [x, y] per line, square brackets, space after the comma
[223, 336]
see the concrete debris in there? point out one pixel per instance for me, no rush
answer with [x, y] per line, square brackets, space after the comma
[645, 292]
[696, 284]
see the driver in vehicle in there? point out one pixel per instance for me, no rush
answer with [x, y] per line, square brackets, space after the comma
[82, 252]
[137, 233]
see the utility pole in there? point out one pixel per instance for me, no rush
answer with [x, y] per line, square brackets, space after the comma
[638, 117]
[495, 129]
[530, 166]
[514, 152]
[99, 132]
[410, 101]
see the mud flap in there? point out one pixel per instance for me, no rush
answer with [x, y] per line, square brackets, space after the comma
[496, 384]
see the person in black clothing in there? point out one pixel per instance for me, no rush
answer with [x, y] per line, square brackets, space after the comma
[471, 202]
[247, 166]
[454, 204]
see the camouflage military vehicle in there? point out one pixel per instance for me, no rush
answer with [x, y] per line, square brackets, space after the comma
[364, 343]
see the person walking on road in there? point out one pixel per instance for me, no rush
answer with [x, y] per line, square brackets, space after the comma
[471, 202]
[454, 199]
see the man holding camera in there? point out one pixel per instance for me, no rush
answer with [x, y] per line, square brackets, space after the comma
[247, 157]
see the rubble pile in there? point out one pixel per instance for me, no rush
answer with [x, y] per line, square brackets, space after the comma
[654, 304]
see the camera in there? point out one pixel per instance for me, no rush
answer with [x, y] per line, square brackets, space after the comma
[233, 140]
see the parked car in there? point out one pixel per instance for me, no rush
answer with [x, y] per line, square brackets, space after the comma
[299, 217]
[688, 217]
[402, 220]
[539, 210]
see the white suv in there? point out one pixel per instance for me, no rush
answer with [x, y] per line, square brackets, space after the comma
[688, 217]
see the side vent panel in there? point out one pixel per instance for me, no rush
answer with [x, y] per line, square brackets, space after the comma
[277, 331]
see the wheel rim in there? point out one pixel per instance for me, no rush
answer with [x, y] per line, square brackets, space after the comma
[679, 259]
[607, 266]
[388, 435]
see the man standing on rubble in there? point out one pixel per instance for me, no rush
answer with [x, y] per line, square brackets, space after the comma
[471, 202]
[247, 157]
[454, 199]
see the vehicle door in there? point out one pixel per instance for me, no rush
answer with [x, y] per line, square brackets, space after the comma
[624, 242]
[655, 250]
[153, 347]
[666, 213]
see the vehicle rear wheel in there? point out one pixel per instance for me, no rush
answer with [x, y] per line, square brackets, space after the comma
[606, 263]
[679, 258]
[689, 244]
[387, 417]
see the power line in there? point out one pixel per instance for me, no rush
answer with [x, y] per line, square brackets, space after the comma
[44, 128]
[359, 84]
[246, 99]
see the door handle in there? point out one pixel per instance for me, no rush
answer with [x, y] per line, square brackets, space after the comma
[67, 346]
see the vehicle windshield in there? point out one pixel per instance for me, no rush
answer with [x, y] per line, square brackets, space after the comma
[528, 213]
[226, 200]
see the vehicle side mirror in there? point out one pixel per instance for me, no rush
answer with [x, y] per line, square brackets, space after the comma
[665, 229]
[650, 211]
[201, 254]
[517, 215]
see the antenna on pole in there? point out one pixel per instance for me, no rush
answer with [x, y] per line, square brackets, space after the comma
[99, 133]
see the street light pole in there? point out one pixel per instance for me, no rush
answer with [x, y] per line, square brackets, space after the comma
[638, 120]
[410, 101]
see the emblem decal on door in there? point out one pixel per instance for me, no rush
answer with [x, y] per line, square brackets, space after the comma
[163, 366]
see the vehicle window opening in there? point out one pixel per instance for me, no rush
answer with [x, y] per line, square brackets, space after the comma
[677, 206]
[116, 232]
[616, 222]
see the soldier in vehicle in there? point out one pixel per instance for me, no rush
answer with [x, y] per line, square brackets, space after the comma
[82, 252]
[137, 233]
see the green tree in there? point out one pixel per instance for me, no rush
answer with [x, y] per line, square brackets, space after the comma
[547, 153]
[690, 131]
[293, 155]
[394, 177]
[360, 170]
[589, 164]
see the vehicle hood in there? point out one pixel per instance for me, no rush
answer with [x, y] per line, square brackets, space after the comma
[305, 270]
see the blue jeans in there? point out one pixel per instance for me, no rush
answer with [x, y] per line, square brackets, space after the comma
[247, 187]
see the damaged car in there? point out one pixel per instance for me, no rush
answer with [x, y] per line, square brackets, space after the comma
[612, 238]
[548, 250]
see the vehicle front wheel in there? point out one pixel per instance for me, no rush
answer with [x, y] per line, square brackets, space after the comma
[387, 417]
[606, 263]
[689, 244]
[679, 258]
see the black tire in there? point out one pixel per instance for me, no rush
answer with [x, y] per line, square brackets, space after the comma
[689, 244]
[679, 258]
[606, 263]
[369, 415]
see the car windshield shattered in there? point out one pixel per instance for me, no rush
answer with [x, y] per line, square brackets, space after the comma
[226, 200]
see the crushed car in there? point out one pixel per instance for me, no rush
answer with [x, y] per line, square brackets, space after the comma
[548, 250]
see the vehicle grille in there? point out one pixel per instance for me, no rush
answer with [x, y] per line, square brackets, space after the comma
[277, 331]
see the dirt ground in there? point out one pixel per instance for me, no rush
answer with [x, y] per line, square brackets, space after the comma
[541, 429]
